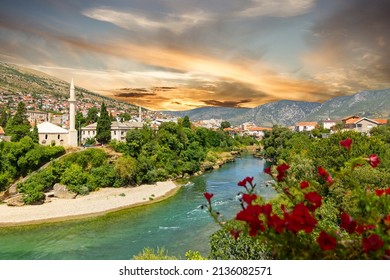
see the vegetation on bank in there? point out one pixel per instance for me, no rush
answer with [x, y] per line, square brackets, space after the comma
[333, 202]
[147, 156]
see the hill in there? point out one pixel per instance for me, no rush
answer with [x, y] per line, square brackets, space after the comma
[371, 104]
[15, 79]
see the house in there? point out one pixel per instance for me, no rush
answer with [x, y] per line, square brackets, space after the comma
[51, 134]
[37, 116]
[363, 125]
[328, 124]
[305, 126]
[257, 132]
[118, 130]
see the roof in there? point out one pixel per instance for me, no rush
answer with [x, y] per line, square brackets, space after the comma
[116, 125]
[306, 124]
[1, 131]
[351, 117]
[380, 121]
[48, 128]
[259, 128]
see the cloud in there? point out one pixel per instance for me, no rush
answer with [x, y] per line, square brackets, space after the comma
[277, 8]
[230, 103]
[351, 47]
[132, 19]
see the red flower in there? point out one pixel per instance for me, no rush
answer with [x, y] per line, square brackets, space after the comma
[249, 180]
[388, 191]
[315, 200]
[299, 219]
[235, 233]
[380, 192]
[276, 223]
[329, 180]
[250, 215]
[322, 172]
[282, 171]
[304, 184]
[246, 180]
[267, 170]
[242, 183]
[248, 198]
[346, 143]
[372, 243]
[326, 241]
[266, 209]
[347, 223]
[208, 196]
[373, 160]
[386, 221]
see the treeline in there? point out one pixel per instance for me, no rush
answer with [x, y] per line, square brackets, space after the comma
[175, 149]
[147, 156]
[17, 159]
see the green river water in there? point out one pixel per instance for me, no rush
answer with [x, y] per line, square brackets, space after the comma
[178, 224]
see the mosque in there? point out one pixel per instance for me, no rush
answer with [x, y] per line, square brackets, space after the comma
[51, 134]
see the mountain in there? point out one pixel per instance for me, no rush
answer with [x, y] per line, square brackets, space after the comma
[370, 103]
[14, 79]
[284, 112]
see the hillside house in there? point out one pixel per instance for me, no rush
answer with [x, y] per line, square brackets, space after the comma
[363, 125]
[305, 126]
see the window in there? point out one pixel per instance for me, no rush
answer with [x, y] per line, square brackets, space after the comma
[58, 137]
[359, 125]
[45, 137]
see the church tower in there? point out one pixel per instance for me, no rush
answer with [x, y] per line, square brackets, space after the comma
[72, 117]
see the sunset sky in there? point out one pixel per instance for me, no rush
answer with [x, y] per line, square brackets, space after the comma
[183, 54]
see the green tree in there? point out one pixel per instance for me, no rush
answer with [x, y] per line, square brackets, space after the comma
[4, 116]
[225, 124]
[103, 129]
[18, 126]
[34, 134]
[92, 115]
[186, 122]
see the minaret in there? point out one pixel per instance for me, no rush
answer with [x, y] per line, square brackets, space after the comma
[140, 114]
[72, 117]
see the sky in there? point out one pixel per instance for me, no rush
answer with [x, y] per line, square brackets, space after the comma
[184, 54]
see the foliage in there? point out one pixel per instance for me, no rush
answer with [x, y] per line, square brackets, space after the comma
[18, 125]
[20, 158]
[225, 124]
[341, 212]
[103, 128]
[151, 254]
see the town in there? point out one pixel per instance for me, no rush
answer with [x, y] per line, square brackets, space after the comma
[51, 114]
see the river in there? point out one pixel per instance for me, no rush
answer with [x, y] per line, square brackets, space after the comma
[177, 224]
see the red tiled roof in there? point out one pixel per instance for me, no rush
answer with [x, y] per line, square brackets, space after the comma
[380, 121]
[306, 124]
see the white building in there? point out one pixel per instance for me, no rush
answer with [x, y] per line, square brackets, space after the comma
[118, 130]
[51, 134]
[305, 126]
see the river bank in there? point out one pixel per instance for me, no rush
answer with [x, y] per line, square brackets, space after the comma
[97, 203]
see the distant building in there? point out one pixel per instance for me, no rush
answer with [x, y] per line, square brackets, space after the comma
[305, 126]
[363, 125]
[118, 130]
[37, 116]
[328, 124]
[257, 132]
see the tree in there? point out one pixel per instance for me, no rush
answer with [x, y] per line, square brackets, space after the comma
[186, 122]
[92, 115]
[4, 116]
[35, 134]
[103, 129]
[18, 126]
[225, 124]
